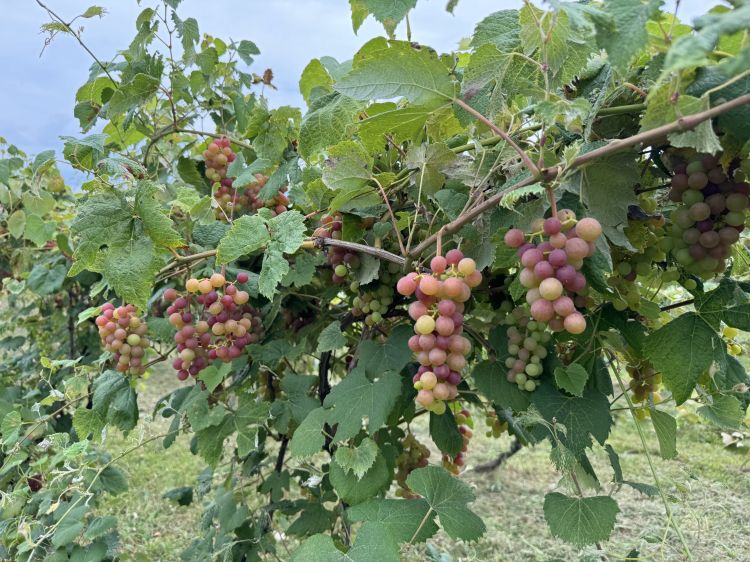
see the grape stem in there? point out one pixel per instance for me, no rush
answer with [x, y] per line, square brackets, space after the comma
[647, 137]
[677, 304]
[552, 202]
[384, 255]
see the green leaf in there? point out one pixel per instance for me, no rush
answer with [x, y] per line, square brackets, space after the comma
[248, 234]
[245, 49]
[400, 125]
[132, 93]
[348, 167]
[391, 355]
[489, 376]
[100, 525]
[431, 160]
[624, 33]
[572, 378]
[102, 219]
[273, 269]
[114, 400]
[315, 81]
[580, 521]
[404, 519]
[606, 188]
[130, 269]
[358, 459]
[354, 490]
[327, 123]
[17, 223]
[373, 542]
[87, 422]
[448, 497]
[156, 222]
[386, 70]
[544, 32]
[331, 337]
[356, 397]
[582, 417]
[113, 480]
[39, 231]
[682, 351]
[288, 231]
[308, 438]
[666, 433]
[84, 153]
[723, 410]
[444, 433]
[249, 416]
[500, 29]
[212, 376]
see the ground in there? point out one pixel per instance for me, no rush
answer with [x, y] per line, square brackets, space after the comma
[708, 487]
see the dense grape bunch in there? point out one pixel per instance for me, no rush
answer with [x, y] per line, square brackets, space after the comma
[438, 315]
[123, 333]
[711, 214]
[551, 269]
[527, 339]
[465, 424]
[413, 455]
[214, 321]
[340, 259]
[231, 201]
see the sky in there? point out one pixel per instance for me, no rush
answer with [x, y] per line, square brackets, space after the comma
[39, 88]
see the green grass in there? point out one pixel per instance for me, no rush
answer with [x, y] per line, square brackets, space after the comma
[708, 487]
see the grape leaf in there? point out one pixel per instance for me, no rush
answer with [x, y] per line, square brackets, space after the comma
[288, 230]
[682, 351]
[623, 35]
[248, 234]
[308, 438]
[391, 355]
[400, 125]
[666, 433]
[347, 168]
[402, 518]
[114, 400]
[572, 378]
[580, 521]
[130, 269]
[356, 397]
[331, 337]
[395, 69]
[156, 223]
[358, 459]
[314, 81]
[448, 497]
[724, 410]
[489, 376]
[500, 29]
[582, 417]
[327, 123]
[354, 490]
[373, 542]
[444, 433]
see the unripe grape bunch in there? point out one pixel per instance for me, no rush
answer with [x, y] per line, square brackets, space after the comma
[465, 425]
[644, 381]
[527, 339]
[413, 455]
[123, 333]
[340, 259]
[711, 214]
[236, 201]
[214, 321]
[495, 428]
[438, 314]
[551, 269]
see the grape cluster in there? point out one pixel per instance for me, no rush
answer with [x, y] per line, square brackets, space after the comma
[465, 424]
[555, 286]
[231, 201]
[213, 320]
[710, 216]
[644, 380]
[340, 259]
[124, 334]
[413, 455]
[527, 339]
[438, 314]
[495, 428]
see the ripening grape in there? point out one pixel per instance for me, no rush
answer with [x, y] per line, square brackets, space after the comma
[213, 321]
[495, 427]
[122, 333]
[551, 268]
[413, 455]
[713, 205]
[341, 259]
[438, 343]
[232, 201]
[644, 381]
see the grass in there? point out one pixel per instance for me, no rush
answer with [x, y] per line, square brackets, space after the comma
[708, 487]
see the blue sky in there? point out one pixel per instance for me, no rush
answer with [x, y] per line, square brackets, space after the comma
[38, 94]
